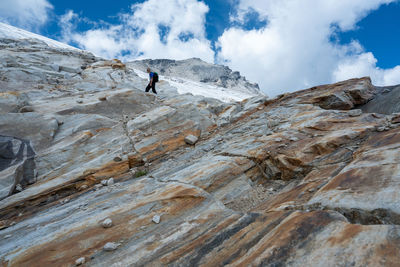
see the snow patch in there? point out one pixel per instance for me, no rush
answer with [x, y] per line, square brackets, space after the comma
[184, 86]
[10, 32]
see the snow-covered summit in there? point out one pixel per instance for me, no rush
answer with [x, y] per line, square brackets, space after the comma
[11, 32]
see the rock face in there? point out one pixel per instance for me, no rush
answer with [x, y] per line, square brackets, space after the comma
[304, 179]
[385, 102]
[17, 164]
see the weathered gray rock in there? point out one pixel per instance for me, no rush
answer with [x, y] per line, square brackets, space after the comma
[110, 246]
[12, 102]
[355, 112]
[381, 128]
[191, 139]
[107, 223]
[38, 129]
[18, 188]
[385, 101]
[17, 164]
[80, 261]
[70, 70]
[158, 118]
[55, 67]
[345, 95]
[156, 219]
[110, 181]
[290, 181]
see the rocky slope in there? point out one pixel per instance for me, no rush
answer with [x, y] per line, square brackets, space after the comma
[214, 80]
[94, 171]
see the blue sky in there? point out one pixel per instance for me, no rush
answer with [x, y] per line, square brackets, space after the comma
[284, 45]
[379, 32]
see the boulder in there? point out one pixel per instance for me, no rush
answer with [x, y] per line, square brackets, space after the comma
[344, 95]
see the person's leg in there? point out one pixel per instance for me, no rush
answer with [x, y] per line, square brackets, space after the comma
[153, 87]
[148, 88]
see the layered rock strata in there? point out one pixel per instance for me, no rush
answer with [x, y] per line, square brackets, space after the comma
[304, 179]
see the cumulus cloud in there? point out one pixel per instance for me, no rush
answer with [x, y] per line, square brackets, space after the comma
[28, 14]
[365, 65]
[173, 29]
[295, 49]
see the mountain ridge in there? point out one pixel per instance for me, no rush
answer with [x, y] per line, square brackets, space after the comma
[95, 171]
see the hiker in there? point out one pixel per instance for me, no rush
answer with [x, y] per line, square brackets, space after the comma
[153, 80]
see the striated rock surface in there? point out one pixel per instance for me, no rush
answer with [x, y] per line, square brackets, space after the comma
[304, 179]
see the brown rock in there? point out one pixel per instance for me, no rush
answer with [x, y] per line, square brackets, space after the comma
[396, 118]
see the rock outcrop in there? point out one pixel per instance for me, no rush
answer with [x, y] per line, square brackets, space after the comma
[304, 179]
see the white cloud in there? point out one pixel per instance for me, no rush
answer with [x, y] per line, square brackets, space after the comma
[365, 65]
[174, 29]
[294, 50]
[28, 14]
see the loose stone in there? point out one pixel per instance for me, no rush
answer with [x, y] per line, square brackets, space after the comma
[117, 159]
[156, 219]
[80, 261]
[191, 139]
[110, 181]
[107, 223]
[18, 188]
[83, 187]
[355, 112]
[381, 129]
[110, 246]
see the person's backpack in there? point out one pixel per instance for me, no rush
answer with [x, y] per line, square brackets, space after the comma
[155, 77]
